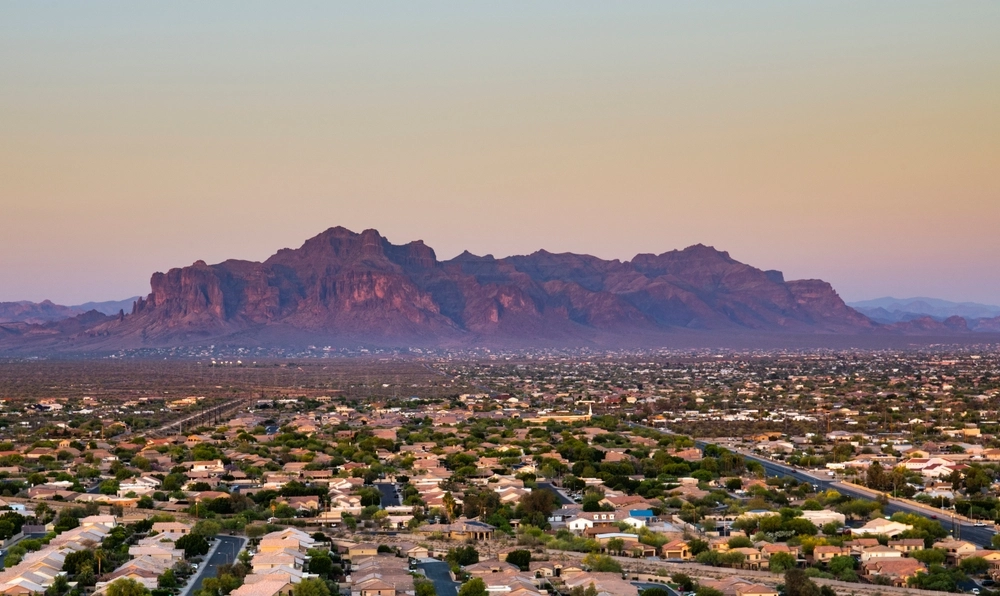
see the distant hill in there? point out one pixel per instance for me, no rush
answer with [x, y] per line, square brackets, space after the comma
[111, 307]
[47, 312]
[896, 310]
[35, 312]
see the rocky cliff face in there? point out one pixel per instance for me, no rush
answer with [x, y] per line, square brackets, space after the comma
[341, 285]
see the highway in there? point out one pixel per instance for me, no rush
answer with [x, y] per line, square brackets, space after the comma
[200, 417]
[981, 536]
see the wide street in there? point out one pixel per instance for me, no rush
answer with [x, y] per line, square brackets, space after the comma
[439, 573]
[226, 551]
[981, 536]
[389, 496]
[648, 586]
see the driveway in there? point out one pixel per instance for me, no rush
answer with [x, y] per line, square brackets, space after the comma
[439, 573]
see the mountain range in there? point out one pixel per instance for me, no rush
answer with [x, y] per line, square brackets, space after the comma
[46, 312]
[343, 288]
[895, 310]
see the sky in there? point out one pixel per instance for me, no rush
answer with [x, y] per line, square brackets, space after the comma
[856, 142]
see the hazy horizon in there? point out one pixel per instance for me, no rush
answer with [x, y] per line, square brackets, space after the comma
[853, 142]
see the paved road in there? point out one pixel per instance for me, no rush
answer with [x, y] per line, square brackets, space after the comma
[388, 490]
[981, 536]
[438, 572]
[225, 553]
[563, 499]
[648, 585]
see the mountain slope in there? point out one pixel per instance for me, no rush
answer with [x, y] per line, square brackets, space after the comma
[341, 288]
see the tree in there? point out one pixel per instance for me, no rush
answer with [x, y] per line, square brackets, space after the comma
[463, 555]
[60, 585]
[697, 546]
[974, 565]
[312, 586]
[930, 556]
[448, 500]
[167, 579]
[779, 562]
[592, 502]
[424, 587]
[800, 526]
[976, 480]
[521, 558]
[541, 500]
[350, 522]
[733, 559]
[193, 545]
[683, 581]
[127, 587]
[936, 578]
[840, 564]
[381, 518]
[474, 587]
[655, 592]
[705, 590]
[109, 487]
[321, 564]
[75, 560]
[797, 583]
[600, 563]
[615, 545]
[207, 529]
[43, 513]
[370, 496]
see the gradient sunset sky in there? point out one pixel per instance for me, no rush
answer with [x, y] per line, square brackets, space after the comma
[857, 142]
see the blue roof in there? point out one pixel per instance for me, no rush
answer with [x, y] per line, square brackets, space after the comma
[641, 513]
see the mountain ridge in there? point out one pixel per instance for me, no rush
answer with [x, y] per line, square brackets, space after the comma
[344, 288]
